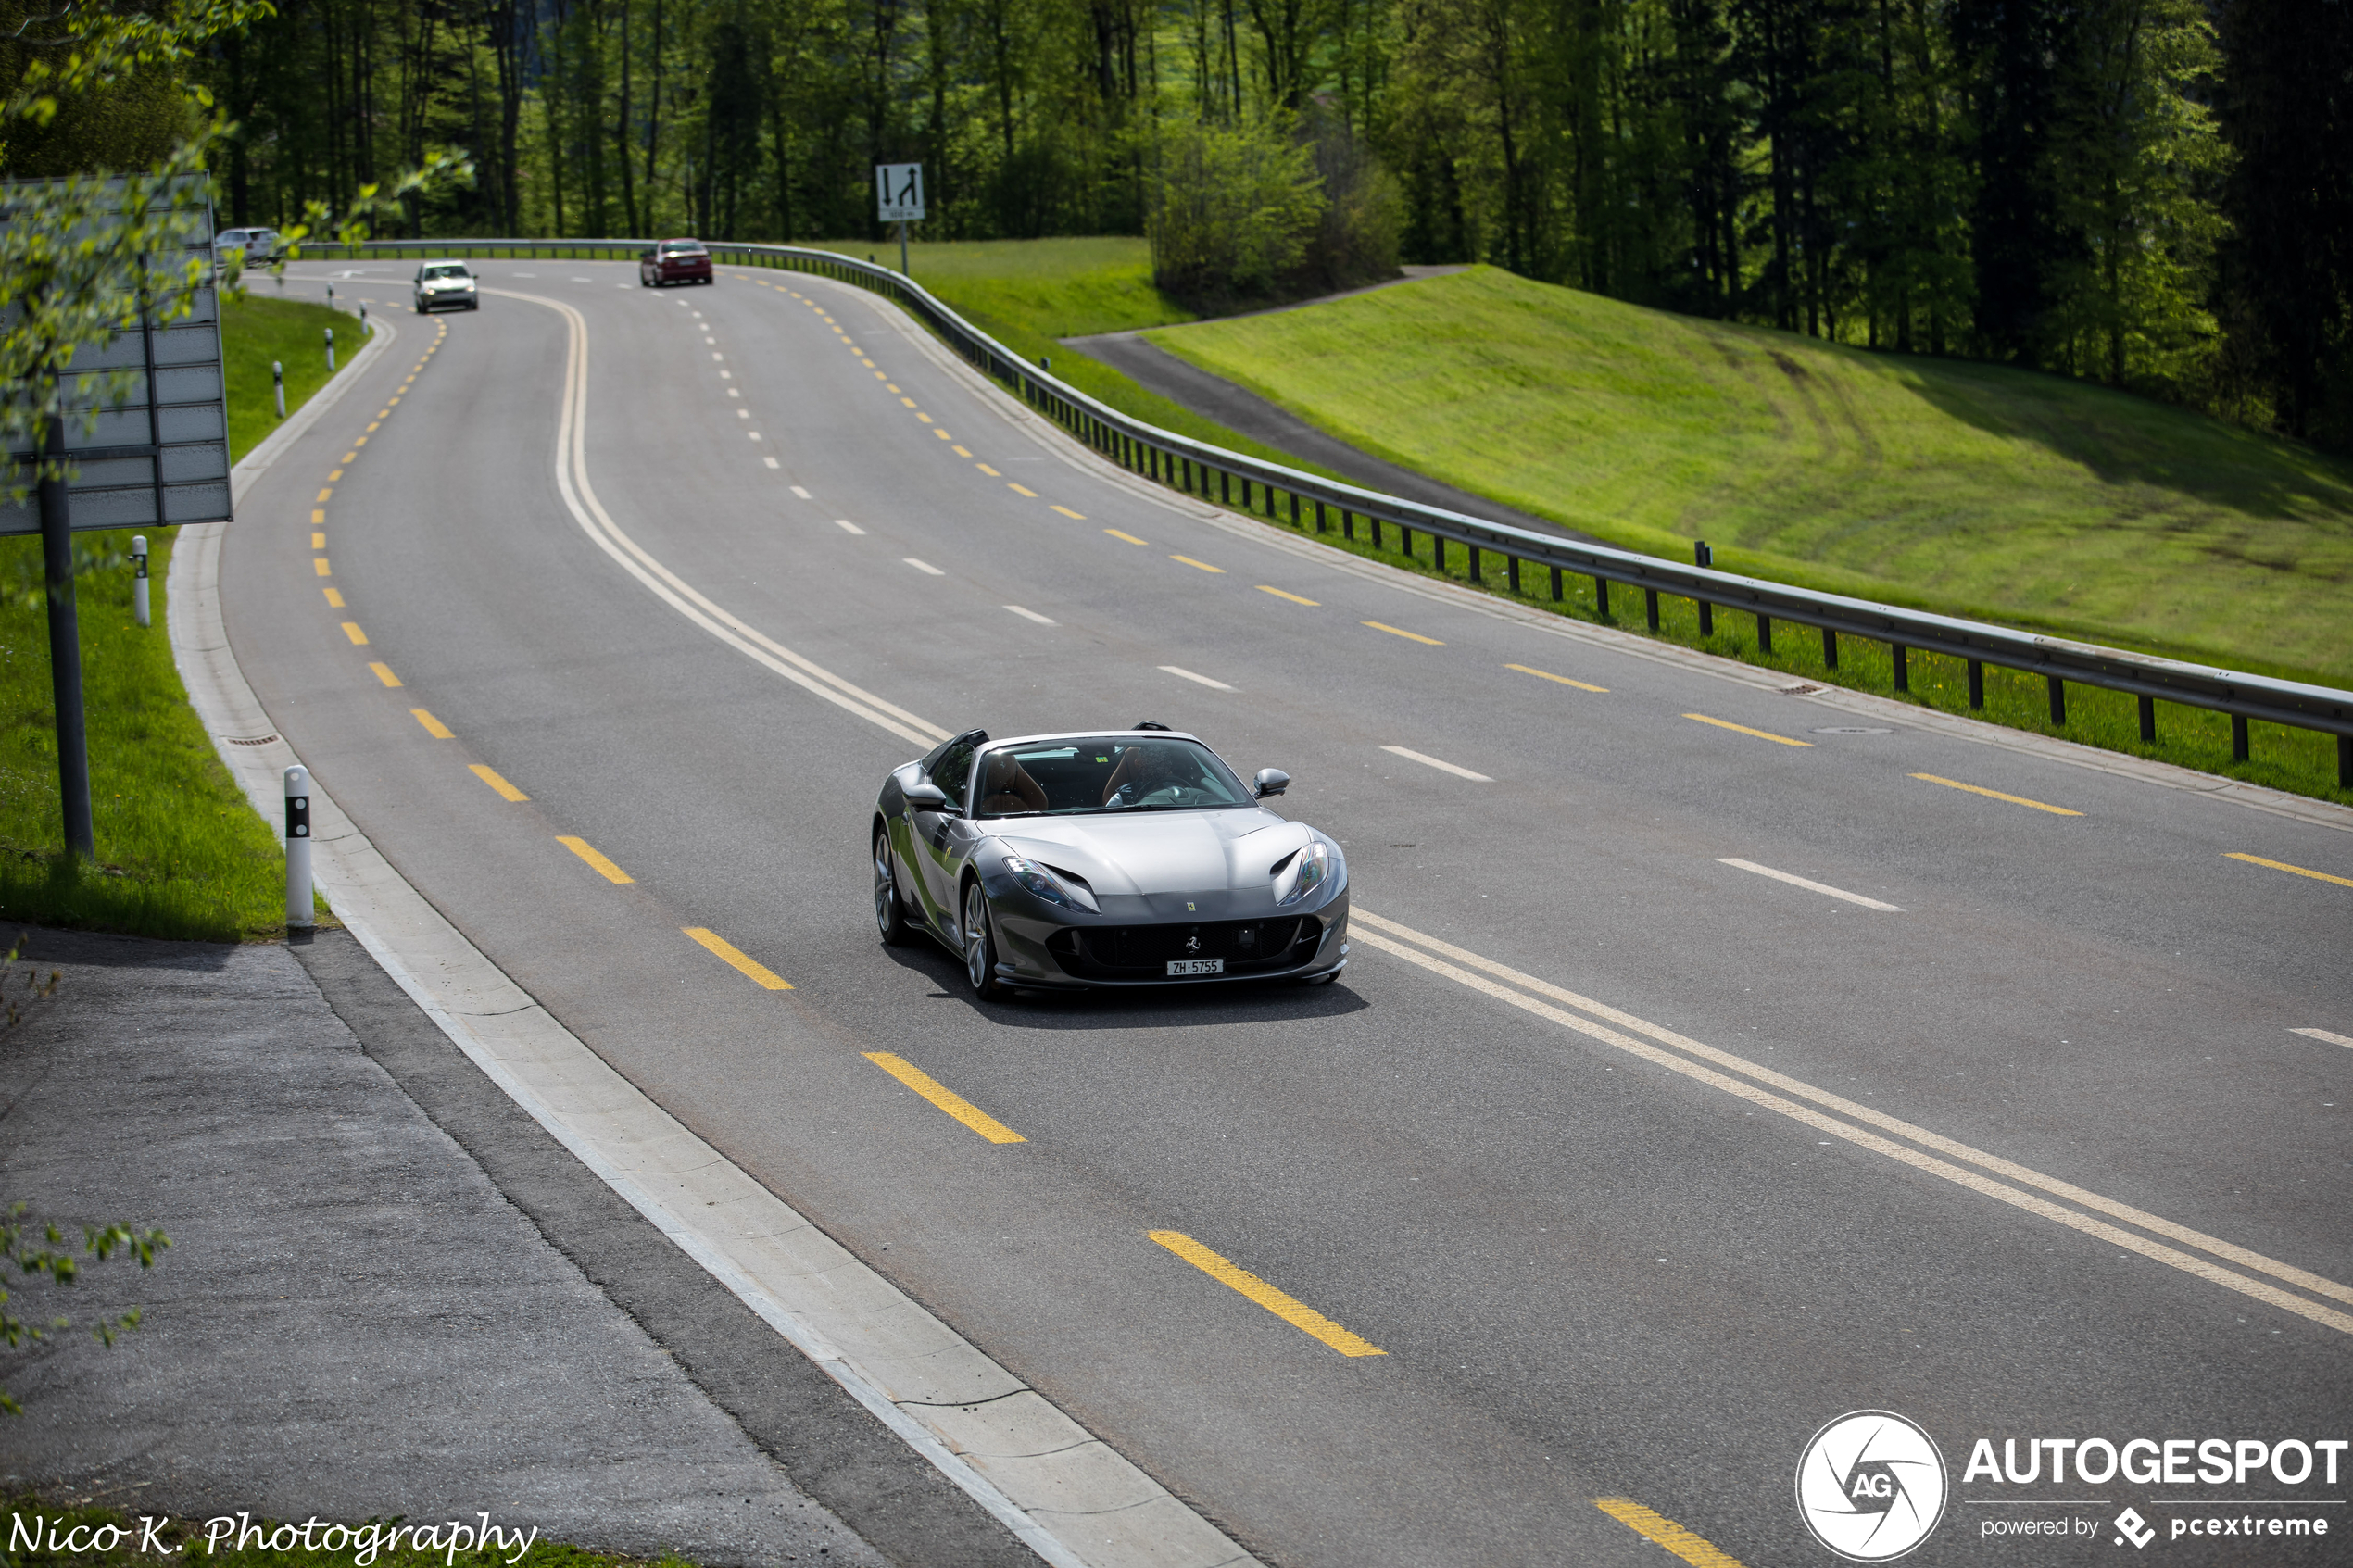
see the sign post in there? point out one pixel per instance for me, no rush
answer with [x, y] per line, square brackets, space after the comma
[153, 452]
[898, 198]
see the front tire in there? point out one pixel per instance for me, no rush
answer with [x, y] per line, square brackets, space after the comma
[890, 910]
[980, 946]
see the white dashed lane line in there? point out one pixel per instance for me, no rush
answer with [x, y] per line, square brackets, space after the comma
[846, 526]
[924, 565]
[1031, 615]
[803, 494]
[2333, 1039]
[1811, 886]
[1434, 763]
[1188, 676]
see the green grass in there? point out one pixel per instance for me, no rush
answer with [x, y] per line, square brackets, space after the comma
[1029, 294]
[195, 1539]
[180, 852]
[259, 329]
[1971, 489]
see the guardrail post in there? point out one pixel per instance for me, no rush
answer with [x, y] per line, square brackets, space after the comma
[1764, 633]
[1319, 518]
[1899, 656]
[1601, 598]
[1976, 685]
[1706, 617]
[1650, 608]
[1829, 648]
[2148, 720]
[1474, 563]
[1225, 488]
[1511, 572]
[1347, 524]
[1704, 558]
[2238, 737]
[1438, 552]
[2059, 699]
[1556, 584]
[2345, 761]
[1294, 508]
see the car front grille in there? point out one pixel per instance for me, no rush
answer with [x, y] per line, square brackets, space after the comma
[1135, 952]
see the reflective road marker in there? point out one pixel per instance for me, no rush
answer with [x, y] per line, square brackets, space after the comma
[1434, 763]
[2278, 866]
[955, 1104]
[1811, 886]
[1297, 1314]
[760, 974]
[1743, 729]
[1693, 1549]
[1997, 794]
[588, 852]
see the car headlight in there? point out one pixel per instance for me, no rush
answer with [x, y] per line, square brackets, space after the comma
[1306, 871]
[1042, 881]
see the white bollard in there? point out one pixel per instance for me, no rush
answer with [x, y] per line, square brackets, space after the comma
[331, 350]
[139, 578]
[363, 320]
[298, 912]
[278, 384]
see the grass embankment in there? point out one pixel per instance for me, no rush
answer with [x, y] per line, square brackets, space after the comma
[181, 853]
[1972, 489]
[1029, 294]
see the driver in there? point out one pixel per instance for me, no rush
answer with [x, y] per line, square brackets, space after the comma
[1006, 786]
[1145, 769]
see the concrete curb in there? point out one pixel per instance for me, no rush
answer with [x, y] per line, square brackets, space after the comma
[1050, 1481]
[1053, 439]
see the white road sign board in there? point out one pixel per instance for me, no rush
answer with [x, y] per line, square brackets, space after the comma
[898, 192]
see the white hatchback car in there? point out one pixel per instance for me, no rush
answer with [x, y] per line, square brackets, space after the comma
[446, 286]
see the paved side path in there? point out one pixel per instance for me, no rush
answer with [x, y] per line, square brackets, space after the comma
[390, 1292]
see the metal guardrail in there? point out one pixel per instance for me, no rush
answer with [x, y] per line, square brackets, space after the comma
[1268, 489]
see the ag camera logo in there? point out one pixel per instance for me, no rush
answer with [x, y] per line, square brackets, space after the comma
[1872, 1486]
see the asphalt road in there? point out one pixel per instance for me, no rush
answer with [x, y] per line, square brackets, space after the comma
[1601, 1262]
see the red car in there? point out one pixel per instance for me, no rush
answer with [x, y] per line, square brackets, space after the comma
[674, 262]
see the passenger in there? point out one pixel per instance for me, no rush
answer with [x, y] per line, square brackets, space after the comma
[1146, 769]
[1007, 789]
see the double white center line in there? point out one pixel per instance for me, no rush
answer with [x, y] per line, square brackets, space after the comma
[1863, 1126]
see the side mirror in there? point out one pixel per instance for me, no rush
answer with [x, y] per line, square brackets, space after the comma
[927, 796]
[1270, 781]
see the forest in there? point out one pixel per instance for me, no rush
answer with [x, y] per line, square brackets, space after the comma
[2154, 195]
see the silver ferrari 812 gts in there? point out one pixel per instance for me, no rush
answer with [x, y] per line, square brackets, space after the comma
[1135, 858]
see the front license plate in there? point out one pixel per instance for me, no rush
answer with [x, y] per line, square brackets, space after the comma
[1197, 966]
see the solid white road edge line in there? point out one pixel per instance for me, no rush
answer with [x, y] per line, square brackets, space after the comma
[1810, 886]
[1370, 927]
[1042, 1474]
[2324, 1034]
[1434, 763]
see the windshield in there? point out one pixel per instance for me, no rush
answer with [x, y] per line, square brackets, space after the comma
[448, 270]
[1105, 773]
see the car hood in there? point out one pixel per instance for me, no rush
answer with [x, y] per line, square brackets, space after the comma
[1164, 856]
